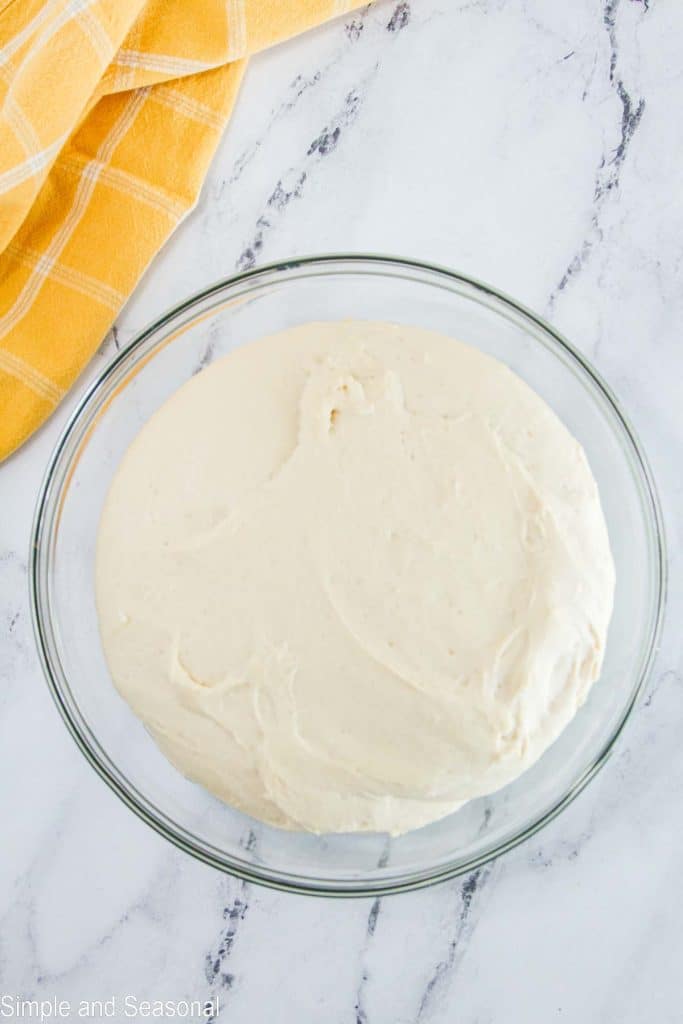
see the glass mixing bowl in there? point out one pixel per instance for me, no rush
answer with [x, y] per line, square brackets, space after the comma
[134, 385]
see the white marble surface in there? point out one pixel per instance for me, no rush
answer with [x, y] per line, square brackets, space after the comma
[538, 146]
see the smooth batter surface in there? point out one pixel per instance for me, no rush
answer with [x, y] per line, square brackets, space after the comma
[353, 575]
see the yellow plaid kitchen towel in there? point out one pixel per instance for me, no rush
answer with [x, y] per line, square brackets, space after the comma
[110, 112]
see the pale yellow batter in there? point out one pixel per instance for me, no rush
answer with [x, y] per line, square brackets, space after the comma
[353, 575]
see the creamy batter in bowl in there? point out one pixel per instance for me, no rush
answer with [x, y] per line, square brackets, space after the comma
[239, 312]
[353, 575]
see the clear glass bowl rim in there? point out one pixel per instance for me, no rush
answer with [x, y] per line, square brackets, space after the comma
[47, 510]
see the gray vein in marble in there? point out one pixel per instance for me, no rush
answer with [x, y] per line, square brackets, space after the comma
[354, 27]
[219, 978]
[209, 350]
[41, 976]
[291, 185]
[15, 642]
[464, 925]
[669, 675]
[400, 18]
[631, 111]
[486, 818]
[27, 898]
[297, 87]
[216, 961]
[359, 1007]
[564, 849]
[608, 174]
[206, 356]
[373, 915]
[118, 337]
[112, 337]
